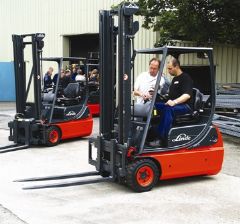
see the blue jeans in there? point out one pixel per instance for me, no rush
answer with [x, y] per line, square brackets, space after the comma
[167, 115]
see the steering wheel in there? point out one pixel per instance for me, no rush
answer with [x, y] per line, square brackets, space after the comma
[162, 98]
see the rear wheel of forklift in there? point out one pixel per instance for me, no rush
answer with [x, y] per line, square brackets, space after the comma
[53, 136]
[142, 175]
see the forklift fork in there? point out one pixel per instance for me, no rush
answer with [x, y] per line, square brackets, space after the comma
[108, 155]
[16, 146]
[12, 148]
[66, 183]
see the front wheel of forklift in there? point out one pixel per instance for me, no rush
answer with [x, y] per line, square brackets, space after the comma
[142, 175]
[53, 136]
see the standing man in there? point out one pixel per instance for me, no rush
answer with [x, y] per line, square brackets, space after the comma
[144, 86]
[146, 81]
[47, 78]
[180, 98]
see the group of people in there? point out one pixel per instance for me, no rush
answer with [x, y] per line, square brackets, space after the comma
[69, 75]
[180, 93]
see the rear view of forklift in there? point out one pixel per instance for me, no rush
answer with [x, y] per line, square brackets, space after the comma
[44, 118]
[93, 84]
[119, 152]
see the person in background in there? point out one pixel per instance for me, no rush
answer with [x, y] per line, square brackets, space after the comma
[94, 77]
[66, 78]
[80, 76]
[48, 78]
[74, 73]
[55, 77]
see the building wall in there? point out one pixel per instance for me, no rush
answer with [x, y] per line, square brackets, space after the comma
[226, 59]
[55, 18]
[7, 82]
[61, 18]
[58, 19]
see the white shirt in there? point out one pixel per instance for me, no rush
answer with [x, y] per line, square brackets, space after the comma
[144, 83]
[80, 78]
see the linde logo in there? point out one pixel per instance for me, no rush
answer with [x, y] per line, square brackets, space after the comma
[181, 137]
[71, 113]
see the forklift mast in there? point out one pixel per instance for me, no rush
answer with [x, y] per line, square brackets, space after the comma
[19, 43]
[125, 31]
[113, 140]
[107, 70]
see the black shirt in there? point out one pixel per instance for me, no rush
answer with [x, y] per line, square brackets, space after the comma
[55, 77]
[73, 76]
[65, 81]
[181, 84]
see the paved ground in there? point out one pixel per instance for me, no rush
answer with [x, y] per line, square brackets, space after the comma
[214, 199]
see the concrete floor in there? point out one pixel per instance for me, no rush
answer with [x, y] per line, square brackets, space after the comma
[213, 199]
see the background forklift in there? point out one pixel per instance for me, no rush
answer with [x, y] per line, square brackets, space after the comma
[45, 118]
[119, 152]
[93, 85]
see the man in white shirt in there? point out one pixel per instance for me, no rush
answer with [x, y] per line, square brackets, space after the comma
[146, 81]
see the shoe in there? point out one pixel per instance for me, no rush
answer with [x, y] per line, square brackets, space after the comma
[154, 144]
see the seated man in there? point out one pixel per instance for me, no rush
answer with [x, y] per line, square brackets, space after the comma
[180, 99]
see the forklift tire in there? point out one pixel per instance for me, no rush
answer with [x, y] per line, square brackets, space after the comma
[53, 136]
[105, 174]
[142, 175]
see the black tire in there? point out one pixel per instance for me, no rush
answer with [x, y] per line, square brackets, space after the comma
[53, 136]
[142, 175]
[105, 174]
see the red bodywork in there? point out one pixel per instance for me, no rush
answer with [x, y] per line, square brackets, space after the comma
[184, 162]
[76, 128]
[94, 109]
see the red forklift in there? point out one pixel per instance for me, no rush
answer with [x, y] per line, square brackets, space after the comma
[119, 152]
[45, 117]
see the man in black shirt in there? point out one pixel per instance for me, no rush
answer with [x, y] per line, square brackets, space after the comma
[180, 98]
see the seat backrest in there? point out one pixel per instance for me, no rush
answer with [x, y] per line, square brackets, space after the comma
[197, 99]
[48, 97]
[197, 107]
[72, 90]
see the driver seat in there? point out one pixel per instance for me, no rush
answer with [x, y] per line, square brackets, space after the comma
[195, 113]
[72, 94]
